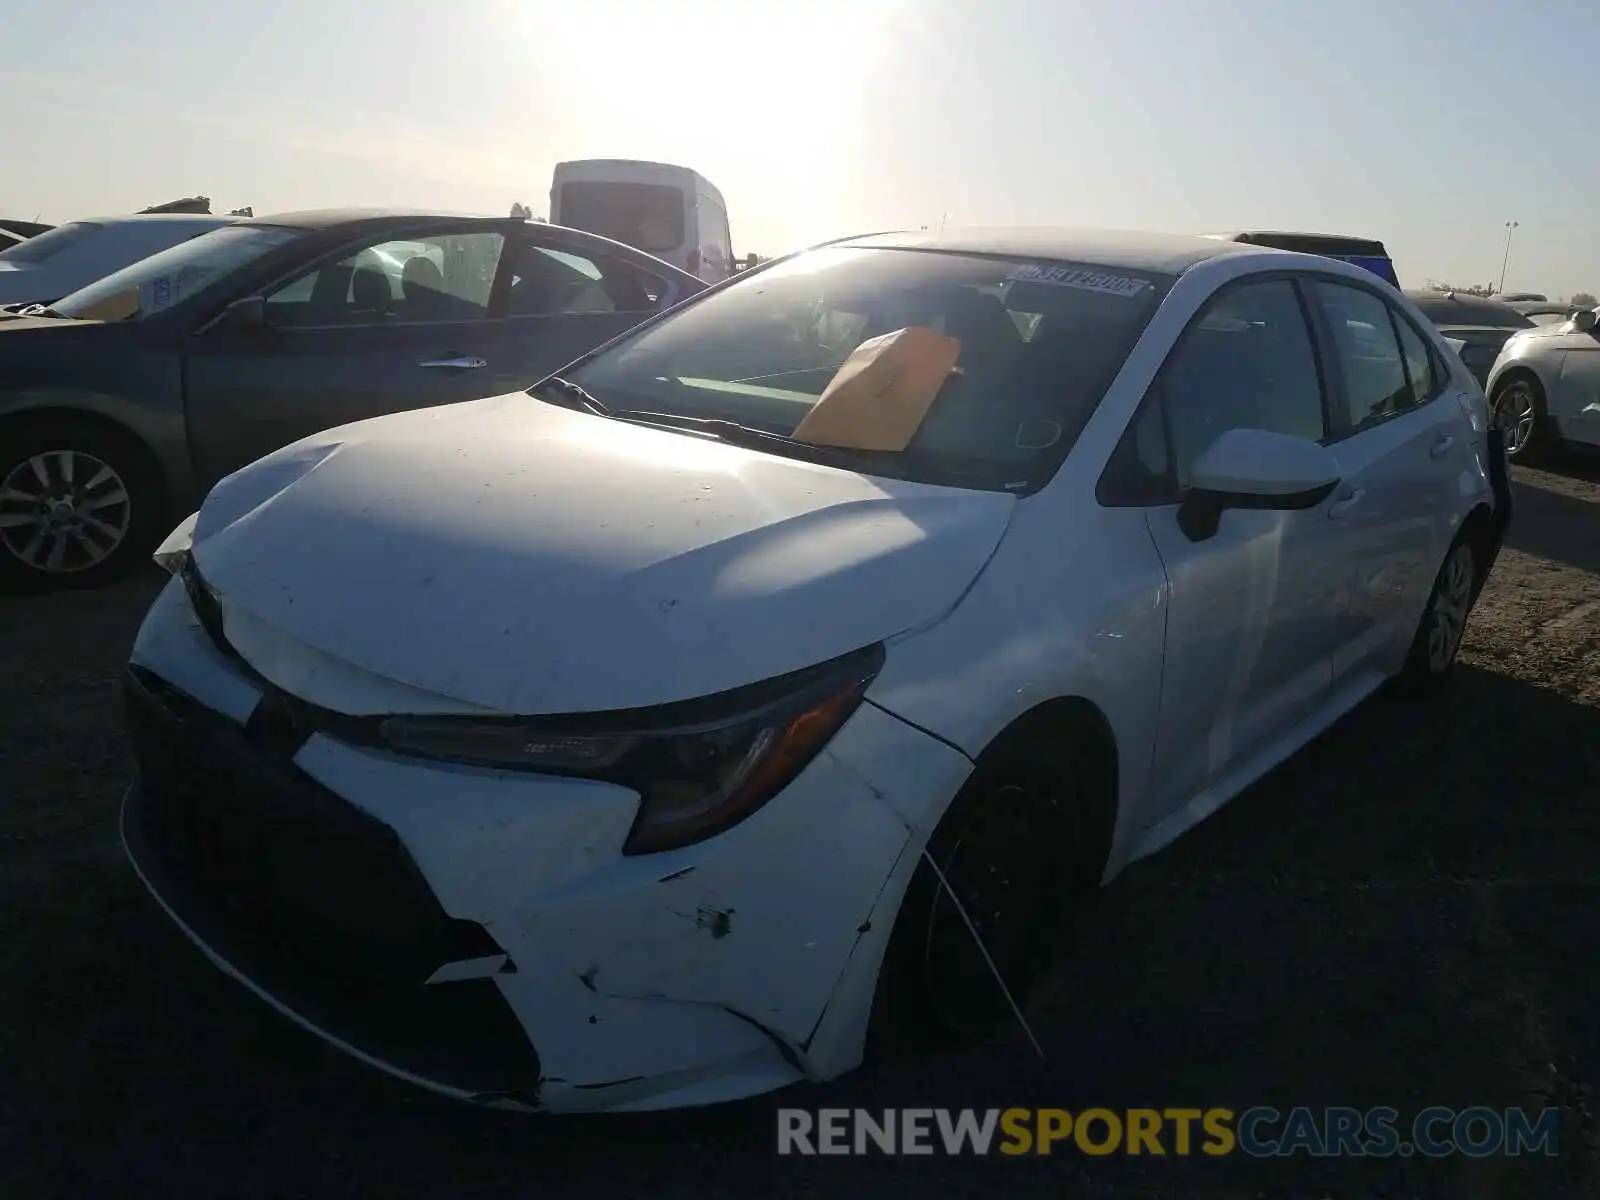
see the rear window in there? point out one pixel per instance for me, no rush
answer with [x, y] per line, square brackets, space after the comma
[1461, 309]
[646, 216]
[36, 250]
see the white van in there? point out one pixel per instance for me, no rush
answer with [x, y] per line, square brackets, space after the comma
[45, 268]
[668, 211]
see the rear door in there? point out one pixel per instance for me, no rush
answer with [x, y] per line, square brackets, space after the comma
[389, 324]
[1397, 439]
[564, 297]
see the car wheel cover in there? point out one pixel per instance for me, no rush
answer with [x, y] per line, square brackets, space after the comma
[1515, 414]
[1452, 600]
[1000, 868]
[63, 511]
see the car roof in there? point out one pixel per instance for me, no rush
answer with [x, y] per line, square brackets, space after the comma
[1158, 253]
[1460, 308]
[1309, 243]
[26, 229]
[174, 218]
[328, 218]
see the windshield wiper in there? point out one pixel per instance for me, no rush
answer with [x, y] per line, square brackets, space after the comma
[880, 462]
[16, 312]
[571, 396]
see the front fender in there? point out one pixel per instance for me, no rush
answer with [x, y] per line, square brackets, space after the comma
[1067, 608]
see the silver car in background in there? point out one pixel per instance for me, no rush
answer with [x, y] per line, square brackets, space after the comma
[1544, 387]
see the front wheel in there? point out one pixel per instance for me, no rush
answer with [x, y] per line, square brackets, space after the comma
[79, 504]
[1014, 851]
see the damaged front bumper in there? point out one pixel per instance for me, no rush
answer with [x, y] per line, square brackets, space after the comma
[479, 932]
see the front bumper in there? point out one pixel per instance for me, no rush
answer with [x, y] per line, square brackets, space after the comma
[314, 903]
[337, 883]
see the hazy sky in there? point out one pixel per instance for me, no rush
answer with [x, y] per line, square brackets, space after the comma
[1424, 123]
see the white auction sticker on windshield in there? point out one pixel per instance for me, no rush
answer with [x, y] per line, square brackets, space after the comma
[1080, 278]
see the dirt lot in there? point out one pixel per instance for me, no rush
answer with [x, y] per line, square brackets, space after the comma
[1405, 915]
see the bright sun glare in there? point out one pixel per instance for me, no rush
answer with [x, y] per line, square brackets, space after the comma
[768, 82]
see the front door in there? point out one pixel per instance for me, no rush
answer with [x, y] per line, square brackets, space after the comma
[1251, 616]
[393, 325]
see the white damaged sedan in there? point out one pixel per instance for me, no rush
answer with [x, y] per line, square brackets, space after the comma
[622, 744]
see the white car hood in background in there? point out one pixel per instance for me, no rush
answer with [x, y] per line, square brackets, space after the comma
[517, 557]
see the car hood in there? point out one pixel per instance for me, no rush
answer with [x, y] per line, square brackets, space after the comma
[517, 557]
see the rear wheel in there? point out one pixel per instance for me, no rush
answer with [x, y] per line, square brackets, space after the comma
[79, 503]
[1017, 853]
[1519, 412]
[1444, 622]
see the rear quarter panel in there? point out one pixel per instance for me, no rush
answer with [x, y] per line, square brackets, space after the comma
[1542, 356]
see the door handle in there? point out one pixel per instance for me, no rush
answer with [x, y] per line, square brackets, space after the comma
[1442, 446]
[462, 363]
[1345, 503]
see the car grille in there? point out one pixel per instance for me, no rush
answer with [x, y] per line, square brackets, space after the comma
[311, 898]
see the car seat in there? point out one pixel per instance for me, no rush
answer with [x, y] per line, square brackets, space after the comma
[369, 291]
[422, 284]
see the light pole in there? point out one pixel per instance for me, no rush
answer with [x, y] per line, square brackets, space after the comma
[1506, 261]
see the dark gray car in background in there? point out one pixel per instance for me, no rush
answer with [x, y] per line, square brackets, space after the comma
[122, 404]
[1479, 322]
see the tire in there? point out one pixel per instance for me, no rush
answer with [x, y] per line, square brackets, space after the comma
[1017, 847]
[80, 503]
[1437, 642]
[1519, 412]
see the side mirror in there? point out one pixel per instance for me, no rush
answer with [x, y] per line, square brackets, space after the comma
[249, 313]
[1584, 320]
[1252, 468]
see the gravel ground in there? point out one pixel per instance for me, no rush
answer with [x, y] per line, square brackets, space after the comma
[1404, 915]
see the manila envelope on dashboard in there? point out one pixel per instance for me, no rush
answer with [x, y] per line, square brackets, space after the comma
[879, 396]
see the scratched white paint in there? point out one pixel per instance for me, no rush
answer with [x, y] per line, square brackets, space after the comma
[501, 554]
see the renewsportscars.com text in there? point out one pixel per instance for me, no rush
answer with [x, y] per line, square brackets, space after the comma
[1259, 1132]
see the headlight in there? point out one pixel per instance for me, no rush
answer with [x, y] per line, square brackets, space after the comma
[174, 551]
[699, 767]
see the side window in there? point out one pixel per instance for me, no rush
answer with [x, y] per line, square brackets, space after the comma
[1370, 360]
[1246, 363]
[1420, 364]
[551, 282]
[439, 277]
